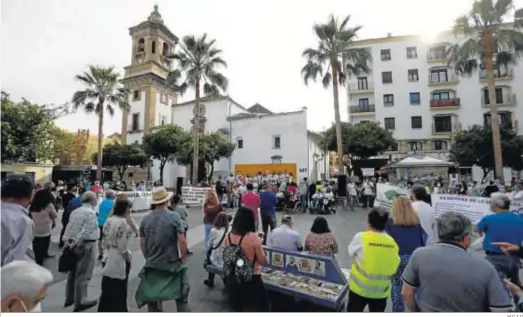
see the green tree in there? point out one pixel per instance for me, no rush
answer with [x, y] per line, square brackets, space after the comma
[165, 143]
[496, 45]
[327, 61]
[102, 94]
[27, 131]
[121, 157]
[474, 147]
[64, 146]
[213, 147]
[198, 60]
[364, 139]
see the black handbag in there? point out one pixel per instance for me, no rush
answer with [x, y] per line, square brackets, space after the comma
[207, 260]
[67, 260]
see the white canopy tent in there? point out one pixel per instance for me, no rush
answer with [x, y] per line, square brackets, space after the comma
[423, 162]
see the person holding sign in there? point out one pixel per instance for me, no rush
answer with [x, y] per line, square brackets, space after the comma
[502, 226]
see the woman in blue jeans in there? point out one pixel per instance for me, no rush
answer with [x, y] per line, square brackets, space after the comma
[211, 208]
[404, 227]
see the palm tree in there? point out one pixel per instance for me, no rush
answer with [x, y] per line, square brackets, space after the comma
[103, 92]
[198, 60]
[495, 44]
[335, 39]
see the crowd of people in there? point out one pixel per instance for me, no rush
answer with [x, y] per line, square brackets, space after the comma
[485, 188]
[408, 254]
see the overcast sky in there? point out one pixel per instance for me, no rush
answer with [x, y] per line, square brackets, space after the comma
[46, 42]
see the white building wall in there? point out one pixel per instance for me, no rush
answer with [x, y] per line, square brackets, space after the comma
[257, 135]
[137, 106]
[469, 90]
[318, 161]
[216, 112]
[163, 109]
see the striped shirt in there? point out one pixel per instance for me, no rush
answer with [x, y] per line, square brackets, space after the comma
[17, 233]
[82, 226]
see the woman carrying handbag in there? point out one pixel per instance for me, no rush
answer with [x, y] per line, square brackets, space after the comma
[216, 245]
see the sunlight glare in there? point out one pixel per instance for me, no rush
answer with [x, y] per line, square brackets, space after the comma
[430, 35]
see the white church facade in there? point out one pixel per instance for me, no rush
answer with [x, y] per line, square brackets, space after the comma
[261, 136]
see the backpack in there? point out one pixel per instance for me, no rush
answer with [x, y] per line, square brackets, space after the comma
[236, 266]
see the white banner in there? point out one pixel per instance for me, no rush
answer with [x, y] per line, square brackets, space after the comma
[193, 195]
[472, 207]
[141, 200]
[367, 171]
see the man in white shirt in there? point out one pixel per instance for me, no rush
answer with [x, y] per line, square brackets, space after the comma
[518, 193]
[284, 237]
[80, 235]
[427, 217]
[328, 200]
[316, 199]
[352, 195]
[368, 192]
[242, 189]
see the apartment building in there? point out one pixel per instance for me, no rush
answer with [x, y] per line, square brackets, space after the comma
[412, 92]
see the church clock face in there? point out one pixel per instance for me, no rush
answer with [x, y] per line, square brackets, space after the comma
[202, 111]
[139, 58]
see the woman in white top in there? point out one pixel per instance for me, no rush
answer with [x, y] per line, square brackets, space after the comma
[117, 261]
[216, 245]
[427, 217]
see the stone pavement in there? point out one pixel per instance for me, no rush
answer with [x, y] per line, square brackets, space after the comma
[344, 225]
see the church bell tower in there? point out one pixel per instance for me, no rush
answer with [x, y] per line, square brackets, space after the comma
[150, 97]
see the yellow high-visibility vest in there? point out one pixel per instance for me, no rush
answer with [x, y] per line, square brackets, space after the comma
[371, 277]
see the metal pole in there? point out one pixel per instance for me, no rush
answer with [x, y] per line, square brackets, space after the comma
[230, 136]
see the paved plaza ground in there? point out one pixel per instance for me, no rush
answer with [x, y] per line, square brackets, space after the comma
[343, 224]
[201, 299]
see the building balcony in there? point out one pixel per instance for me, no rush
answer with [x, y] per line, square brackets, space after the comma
[442, 130]
[445, 104]
[451, 79]
[359, 88]
[436, 58]
[498, 75]
[361, 110]
[508, 100]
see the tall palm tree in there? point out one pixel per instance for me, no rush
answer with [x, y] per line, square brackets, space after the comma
[198, 60]
[102, 94]
[335, 40]
[492, 43]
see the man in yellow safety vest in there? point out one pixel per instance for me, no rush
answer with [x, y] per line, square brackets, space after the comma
[376, 259]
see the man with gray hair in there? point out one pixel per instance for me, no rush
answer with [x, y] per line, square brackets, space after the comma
[80, 235]
[502, 226]
[24, 286]
[449, 278]
[284, 237]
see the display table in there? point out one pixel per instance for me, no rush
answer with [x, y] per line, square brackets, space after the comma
[309, 277]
